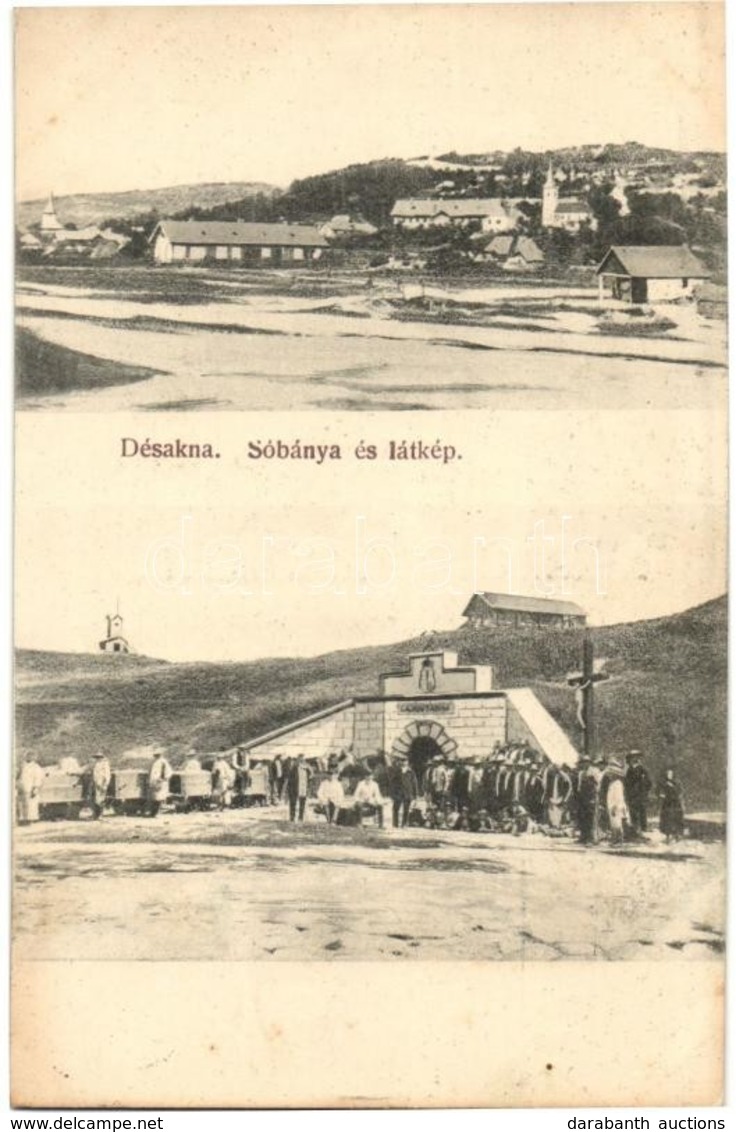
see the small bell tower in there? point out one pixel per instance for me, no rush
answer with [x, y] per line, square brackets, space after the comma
[115, 641]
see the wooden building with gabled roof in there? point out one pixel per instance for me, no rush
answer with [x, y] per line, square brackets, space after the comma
[495, 609]
[236, 242]
[649, 274]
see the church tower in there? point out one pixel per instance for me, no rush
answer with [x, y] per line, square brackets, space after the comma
[550, 197]
[114, 641]
[49, 220]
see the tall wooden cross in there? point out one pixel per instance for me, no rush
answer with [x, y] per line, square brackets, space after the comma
[584, 683]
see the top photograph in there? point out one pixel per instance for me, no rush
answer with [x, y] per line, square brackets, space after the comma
[371, 208]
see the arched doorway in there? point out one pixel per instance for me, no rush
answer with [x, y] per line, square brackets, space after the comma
[422, 749]
[421, 741]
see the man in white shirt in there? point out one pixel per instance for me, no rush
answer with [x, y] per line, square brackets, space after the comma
[30, 779]
[331, 795]
[158, 781]
[223, 781]
[100, 776]
[368, 799]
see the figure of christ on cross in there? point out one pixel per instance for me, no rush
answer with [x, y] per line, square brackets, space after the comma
[584, 684]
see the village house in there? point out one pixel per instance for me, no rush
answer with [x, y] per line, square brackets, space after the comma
[237, 242]
[85, 243]
[493, 609]
[493, 214]
[52, 240]
[344, 226]
[514, 253]
[649, 274]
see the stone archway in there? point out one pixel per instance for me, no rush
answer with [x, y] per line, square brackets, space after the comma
[420, 741]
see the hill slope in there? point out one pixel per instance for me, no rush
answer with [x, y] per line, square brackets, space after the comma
[93, 208]
[666, 694]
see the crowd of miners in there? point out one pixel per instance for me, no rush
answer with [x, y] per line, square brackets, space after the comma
[515, 789]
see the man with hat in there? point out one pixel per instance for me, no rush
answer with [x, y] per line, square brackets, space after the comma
[240, 762]
[158, 781]
[331, 795]
[192, 761]
[637, 785]
[100, 776]
[297, 788]
[224, 777]
[588, 799]
[368, 799]
[617, 810]
[403, 789]
[30, 780]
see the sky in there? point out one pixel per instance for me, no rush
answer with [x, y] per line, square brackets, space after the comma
[234, 559]
[149, 97]
[239, 585]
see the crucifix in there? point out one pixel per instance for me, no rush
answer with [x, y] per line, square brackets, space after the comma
[584, 683]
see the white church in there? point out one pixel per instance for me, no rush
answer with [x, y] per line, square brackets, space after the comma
[568, 213]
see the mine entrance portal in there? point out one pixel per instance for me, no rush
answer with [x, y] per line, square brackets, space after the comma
[422, 749]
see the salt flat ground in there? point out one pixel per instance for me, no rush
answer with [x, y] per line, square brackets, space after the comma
[232, 346]
[243, 885]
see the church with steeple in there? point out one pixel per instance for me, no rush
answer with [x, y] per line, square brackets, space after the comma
[50, 223]
[569, 213]
[115, 642]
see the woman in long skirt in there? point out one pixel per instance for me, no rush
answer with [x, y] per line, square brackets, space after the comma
[672, 812]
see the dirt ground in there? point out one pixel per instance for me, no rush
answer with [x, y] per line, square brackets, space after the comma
[248, 885]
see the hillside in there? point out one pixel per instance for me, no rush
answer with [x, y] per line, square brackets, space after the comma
[371, 188]
[666, 694]
[93, 208]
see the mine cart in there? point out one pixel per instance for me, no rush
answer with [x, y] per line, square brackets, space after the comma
[257, 791]
[63, 795]
[191, 789]
[130, 791]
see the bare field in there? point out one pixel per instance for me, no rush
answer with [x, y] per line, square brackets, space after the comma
[247, 885]
[266, 340]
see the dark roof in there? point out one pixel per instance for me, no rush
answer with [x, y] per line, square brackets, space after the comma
[572, 206]
[518, 604]
[238, 232]
[664, 262]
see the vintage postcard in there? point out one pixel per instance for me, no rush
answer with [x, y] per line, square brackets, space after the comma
[371, 615]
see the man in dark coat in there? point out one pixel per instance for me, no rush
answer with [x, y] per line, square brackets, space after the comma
[588, 801]
[637, 785]
[672, 812]
[297, 788]
[403, 789]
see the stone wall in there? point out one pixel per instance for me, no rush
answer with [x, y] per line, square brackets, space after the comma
[474, 724]
[368, 729]
[315, 739]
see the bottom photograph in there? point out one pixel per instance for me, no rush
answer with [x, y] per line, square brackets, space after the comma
[523, 787]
